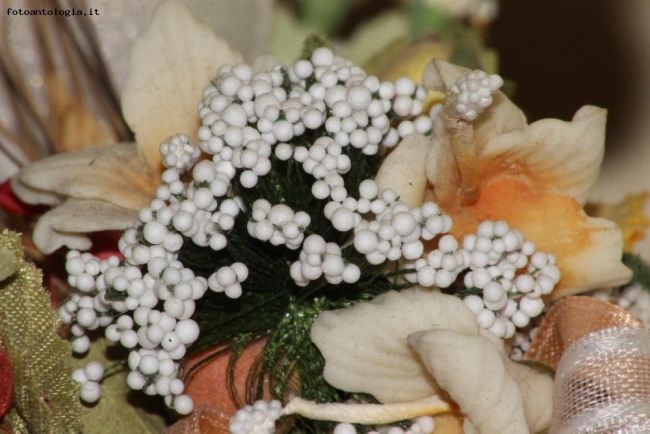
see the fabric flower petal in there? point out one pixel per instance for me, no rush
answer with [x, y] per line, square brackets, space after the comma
[33, 196]
[551, 154]
[113, 173]
[403, 170]
[68, 223]
[376, 357]
[588, 250]
[470, 369]
[170, 65]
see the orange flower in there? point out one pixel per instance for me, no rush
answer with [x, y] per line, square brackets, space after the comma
[535, 177]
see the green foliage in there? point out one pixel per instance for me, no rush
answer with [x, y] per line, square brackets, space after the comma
[327, 16]
[640, 270]
[45, 399]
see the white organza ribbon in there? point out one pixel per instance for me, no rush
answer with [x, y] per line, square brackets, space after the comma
[602, 384]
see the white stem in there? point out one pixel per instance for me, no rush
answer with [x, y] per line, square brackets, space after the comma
[368, 414]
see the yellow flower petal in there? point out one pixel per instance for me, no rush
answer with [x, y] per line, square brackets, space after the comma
[170, 65]
[113, 173]
[68, 223]
[627, 214]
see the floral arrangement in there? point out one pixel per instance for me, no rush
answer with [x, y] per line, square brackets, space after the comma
[354, 254]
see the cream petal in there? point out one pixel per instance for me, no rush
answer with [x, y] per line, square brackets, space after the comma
[470, 369]
[66, 224]
[365, 347]
[170, 65]
[598, 266]
[113, 173]
[403, 170]
[32, 195]
[536, 391]
[552, 154]
[246, 25]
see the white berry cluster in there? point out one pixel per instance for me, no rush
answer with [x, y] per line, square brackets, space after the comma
[178, 152]
[155, 372]
[258, 418]
[90, 377]
[472, 93]
[244, 114]
[278, 224]
[136, 297]
[507, 272]
[511, 276]
[421, 425]
[228, 279]
[319, 258]
[520, 342]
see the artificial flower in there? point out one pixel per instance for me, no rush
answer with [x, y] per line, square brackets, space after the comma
[497, 167]
[414, 350]
[104, 188]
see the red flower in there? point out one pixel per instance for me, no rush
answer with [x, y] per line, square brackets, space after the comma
[10, 202]
[6, 383]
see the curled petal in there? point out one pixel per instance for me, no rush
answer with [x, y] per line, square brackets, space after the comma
[551, 154]
[403, 170]
[170, 65]
[113, 173]
[68, 223]
[376, 357]
[470, 369]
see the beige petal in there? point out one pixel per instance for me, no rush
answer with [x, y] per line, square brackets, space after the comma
[551, 154]
[598, 266]
[113, 173]
[403, 170]
[245, 24]
[170, 65]
[536, 391]
[470, 369]
[365, 347]
[32, 195]
[66, 224]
